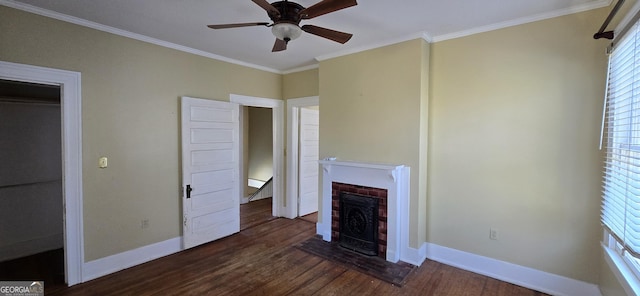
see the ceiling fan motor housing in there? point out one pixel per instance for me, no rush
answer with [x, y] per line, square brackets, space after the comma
[286, 17]
[286, 24]
[289, 12]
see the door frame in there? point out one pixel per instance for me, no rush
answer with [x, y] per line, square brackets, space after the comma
[278, 207]
[70, 101]
[293, 124]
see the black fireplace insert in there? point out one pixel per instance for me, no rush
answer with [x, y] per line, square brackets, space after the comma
[359, 223]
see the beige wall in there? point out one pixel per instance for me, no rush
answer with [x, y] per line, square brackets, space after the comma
[515, 122]
[370, 110]
[512, 120]
[130, 105]
[300, 84]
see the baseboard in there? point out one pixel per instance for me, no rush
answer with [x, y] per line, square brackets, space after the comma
[31, 247]
[518, 275]
[414, 256]
[319, 228]
[114, 263]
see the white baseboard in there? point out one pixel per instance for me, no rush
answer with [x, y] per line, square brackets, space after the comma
[519, 275]
[114, 263]
[319, 231]
[414, 256]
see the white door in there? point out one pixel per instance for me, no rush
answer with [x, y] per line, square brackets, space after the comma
[309, 153]
[210, 170]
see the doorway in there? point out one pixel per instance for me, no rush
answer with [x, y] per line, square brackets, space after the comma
[278, 206]
[67, 84]
[294, 107]
[257, 146]
[31, 183]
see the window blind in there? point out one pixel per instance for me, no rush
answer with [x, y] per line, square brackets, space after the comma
[621, 187]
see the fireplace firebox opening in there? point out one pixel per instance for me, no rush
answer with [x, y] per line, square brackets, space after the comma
[359, 223]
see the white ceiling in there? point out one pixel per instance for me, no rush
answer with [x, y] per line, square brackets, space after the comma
[182, 24]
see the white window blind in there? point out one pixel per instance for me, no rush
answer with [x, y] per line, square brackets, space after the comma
[621, 189]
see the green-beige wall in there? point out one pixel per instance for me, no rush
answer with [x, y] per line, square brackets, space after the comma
[515, 124]
[130, 107]
[509, 120]
[371, 110]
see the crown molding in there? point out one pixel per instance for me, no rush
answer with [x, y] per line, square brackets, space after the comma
[420, 35]
[300, 69]
[124, 33]
[432, 39]
[524, 20]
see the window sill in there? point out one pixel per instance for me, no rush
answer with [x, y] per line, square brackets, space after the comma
[623, 273]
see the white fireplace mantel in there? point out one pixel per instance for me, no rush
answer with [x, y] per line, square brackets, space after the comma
[393, 178]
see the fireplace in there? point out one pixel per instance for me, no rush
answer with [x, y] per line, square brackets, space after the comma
[358, 226]
[389, 184]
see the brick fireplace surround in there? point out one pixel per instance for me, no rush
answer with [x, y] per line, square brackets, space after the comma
[374, 180]
[380, 194]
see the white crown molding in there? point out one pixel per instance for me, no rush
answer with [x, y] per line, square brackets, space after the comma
[420, 35]
[300, 69]
[524, 20]
[140, 37]
[423, 35]
[432, 39]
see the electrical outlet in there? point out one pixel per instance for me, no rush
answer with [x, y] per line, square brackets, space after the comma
[144, 224]
[493, 234]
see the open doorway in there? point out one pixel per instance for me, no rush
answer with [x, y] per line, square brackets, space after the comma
[69, 89]
[257, 147]
[31, 196]
[275, 188]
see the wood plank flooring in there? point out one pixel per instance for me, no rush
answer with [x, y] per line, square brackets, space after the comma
[255, 212]
[262, 260]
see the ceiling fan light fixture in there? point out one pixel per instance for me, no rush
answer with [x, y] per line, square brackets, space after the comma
[286, 31]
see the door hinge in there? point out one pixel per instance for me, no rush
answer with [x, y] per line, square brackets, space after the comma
[184, 221]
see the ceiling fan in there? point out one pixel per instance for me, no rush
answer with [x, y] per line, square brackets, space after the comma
[286, 17]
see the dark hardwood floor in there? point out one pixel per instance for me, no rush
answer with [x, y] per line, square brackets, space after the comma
[262, 260]
[255, 212]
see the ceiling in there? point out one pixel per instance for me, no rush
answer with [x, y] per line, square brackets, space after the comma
[182, 24]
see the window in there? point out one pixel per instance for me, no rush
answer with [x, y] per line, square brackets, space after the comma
[621, 189]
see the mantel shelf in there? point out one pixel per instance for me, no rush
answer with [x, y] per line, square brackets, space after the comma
[367, 165]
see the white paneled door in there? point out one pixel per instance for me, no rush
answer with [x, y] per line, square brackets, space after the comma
[309, 153]
[210, 170]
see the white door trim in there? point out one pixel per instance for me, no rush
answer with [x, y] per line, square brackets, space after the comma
[70, 101]
[293, 106]
[278, 206]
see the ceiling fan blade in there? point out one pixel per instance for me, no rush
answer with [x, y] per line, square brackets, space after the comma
[226, 26]
[336, 36]
[280, 45]
[324, 7]
[272, 11]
